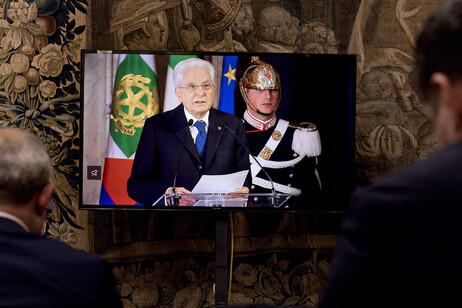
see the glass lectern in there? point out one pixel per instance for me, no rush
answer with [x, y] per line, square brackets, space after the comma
[226, 200]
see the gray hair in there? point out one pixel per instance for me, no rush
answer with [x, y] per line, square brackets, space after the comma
[25, 166]
[184, 65]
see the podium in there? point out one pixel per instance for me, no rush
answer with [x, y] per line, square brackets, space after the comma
[226, 200]
[223, 202]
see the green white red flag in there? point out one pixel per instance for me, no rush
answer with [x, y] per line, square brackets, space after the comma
[135, 98]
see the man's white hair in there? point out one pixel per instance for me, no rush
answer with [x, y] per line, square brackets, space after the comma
[189, 63]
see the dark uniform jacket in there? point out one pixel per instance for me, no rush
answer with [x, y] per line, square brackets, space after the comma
[301, 176]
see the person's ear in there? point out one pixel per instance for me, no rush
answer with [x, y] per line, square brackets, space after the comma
[178, 94]
[43, 199]
[440, 83]
[448, 92]
[446, 111]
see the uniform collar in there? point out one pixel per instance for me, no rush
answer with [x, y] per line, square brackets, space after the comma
[259, 124]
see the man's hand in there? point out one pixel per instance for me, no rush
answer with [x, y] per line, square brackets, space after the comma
[241, 190]
[184, 200]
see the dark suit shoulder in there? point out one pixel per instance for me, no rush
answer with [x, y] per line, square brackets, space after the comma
[174, 119]
[58, 249]
[88, 278]
[432, 184]
[441, 168]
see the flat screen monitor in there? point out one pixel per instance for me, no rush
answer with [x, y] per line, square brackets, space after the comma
[315, 88]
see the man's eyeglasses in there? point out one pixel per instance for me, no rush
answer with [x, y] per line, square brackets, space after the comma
[194, 87]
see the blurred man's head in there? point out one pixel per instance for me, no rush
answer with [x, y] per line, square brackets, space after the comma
[25, 177]
[439, 67]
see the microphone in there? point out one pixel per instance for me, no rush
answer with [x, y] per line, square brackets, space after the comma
[174, 198]
[274, 197]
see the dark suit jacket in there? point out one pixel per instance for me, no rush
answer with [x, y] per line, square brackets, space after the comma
[159, 149]
[36, 271]
[401, 242]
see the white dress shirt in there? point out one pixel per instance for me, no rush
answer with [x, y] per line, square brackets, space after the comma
[192, 128]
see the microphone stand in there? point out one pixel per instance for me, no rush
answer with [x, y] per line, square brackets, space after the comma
[174, 197]
[274, 197]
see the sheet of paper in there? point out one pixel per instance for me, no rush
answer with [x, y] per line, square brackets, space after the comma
[223, 183]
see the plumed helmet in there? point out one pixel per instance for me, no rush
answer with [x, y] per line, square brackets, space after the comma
[260, 76]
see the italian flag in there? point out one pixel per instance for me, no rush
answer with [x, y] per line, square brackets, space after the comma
[135, 98]
[170, 100]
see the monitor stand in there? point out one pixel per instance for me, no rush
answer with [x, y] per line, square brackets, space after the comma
[221, 259]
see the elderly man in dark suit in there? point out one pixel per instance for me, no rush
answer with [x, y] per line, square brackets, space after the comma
[36, 271]
[210, 146]
[401, 242]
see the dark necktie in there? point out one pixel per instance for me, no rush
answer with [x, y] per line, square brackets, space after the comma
[200, 139]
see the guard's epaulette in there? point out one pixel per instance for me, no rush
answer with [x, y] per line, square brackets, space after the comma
[305, 126]
[306, 140]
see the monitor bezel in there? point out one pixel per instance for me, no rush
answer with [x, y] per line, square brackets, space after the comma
[349, 59]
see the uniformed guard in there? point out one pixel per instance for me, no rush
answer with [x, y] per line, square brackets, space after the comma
[287, 152]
